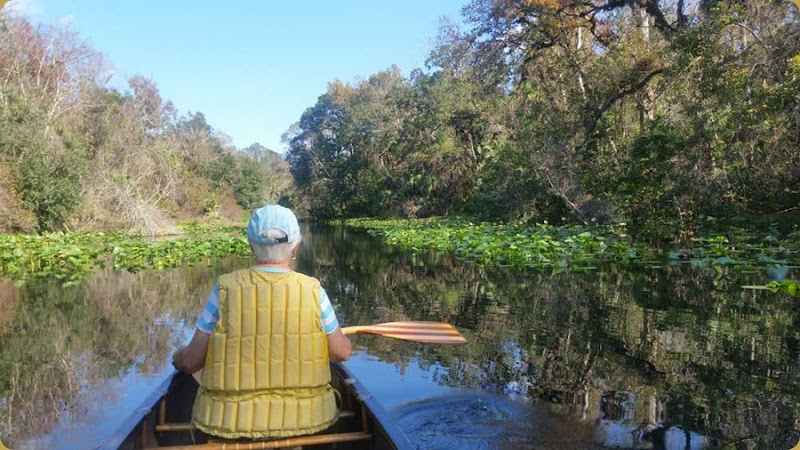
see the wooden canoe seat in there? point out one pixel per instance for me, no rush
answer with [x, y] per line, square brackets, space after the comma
[309, 440]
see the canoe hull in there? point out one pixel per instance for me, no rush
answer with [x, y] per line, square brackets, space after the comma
[164, 419]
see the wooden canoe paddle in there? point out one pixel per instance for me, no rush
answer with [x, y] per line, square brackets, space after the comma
[420, 331]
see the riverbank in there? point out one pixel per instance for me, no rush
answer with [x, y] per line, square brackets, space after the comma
[70, 257]
[580, 248]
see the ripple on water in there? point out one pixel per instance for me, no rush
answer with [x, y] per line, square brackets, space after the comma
[478, 421]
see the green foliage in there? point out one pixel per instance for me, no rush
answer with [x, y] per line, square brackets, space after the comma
[789, 287]
[544, 246]
[391, 146]
[222, 168]
[87, 157]
[534, 114]
[50, 185]
[47, 175]
[70, 257]
[247, 185]
[646, 190]
[540, 246]
[199, 227]
[505, 188]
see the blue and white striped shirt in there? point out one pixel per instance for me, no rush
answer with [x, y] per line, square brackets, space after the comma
[210, 315]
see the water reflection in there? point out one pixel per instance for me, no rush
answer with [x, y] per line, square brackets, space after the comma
[75, 360]
[657, 358]
[667, 358]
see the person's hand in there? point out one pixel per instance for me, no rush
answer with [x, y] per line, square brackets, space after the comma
[192, 357]
[176, 356]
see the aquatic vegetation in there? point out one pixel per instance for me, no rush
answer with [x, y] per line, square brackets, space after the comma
[786, 286]
[745, 250]
[70, 257]
[198, 227]
[538, 246]
[544, 246]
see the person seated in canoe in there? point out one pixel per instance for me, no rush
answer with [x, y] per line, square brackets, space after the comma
[265, 339]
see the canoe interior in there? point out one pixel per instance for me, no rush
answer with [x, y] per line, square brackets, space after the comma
[164, 421]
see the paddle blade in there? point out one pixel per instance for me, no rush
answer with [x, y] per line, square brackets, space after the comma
[427, 332]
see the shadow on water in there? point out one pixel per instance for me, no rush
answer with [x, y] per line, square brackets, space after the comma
[651, 358]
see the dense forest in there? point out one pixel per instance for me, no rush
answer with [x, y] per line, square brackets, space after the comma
[661, 114]
[654, 113]
[78, 155]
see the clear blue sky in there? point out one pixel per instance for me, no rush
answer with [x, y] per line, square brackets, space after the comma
[252, 67]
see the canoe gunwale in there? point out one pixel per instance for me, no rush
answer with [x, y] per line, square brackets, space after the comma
[137, 417]
[380, 417]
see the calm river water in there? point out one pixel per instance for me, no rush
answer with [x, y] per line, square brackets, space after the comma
[654, 358]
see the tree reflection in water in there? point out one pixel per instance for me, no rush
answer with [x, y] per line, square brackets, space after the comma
[663, 358]
[63, 349]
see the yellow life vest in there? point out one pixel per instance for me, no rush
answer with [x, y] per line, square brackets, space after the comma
[267, 371]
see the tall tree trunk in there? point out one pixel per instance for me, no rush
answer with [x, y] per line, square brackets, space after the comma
[578, 46]
[647, 103]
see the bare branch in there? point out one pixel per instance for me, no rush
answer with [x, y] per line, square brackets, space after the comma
[630, 90]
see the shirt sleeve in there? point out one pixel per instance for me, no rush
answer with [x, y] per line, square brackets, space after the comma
[210, 316]
[327, 316]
